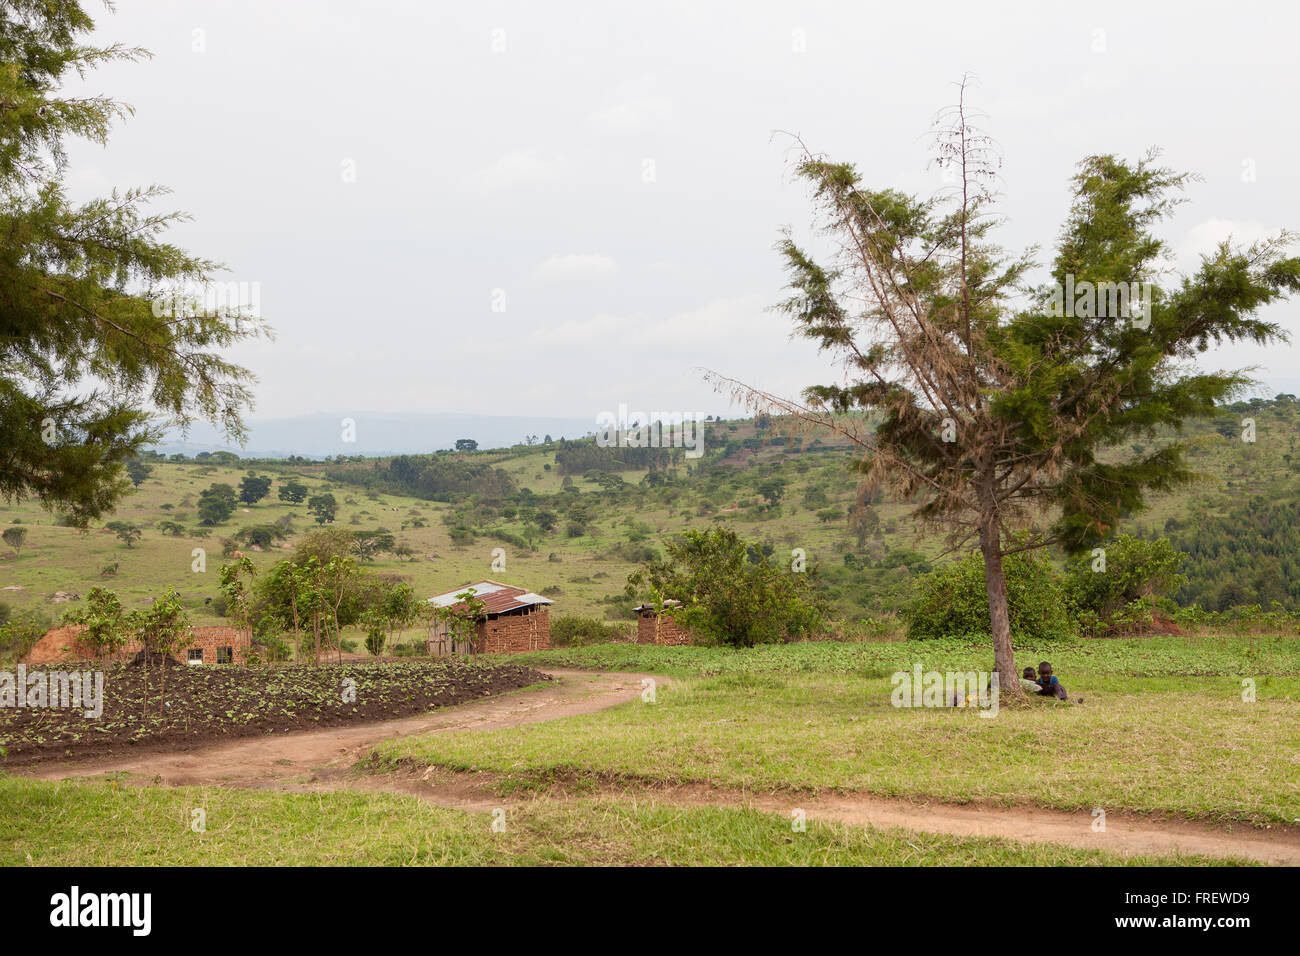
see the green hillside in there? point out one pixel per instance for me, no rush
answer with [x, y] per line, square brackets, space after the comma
[574, 520]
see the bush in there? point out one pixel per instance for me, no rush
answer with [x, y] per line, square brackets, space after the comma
[21, 631]
[731, 593]
[572, 630]
[953, 600]
[1123, 590]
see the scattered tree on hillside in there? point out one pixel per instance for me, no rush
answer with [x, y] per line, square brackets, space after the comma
[324, 507]
[15, 537]
[293, 491]
[369, 544]
[128, 533]
[217, 504]
[772, 490]
[137, 471]
[863, 523]
[253, 488]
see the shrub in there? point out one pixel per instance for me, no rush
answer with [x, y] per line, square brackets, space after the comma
[572, 630]
[21, 631]
[1120, 587]
[731, 593]
[953, 600]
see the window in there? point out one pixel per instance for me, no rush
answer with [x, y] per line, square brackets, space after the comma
[196, 655]
[225, 655]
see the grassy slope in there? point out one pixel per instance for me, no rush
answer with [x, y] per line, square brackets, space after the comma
[1163, 728]
[61, 559]
[89, 824]
[579, 571]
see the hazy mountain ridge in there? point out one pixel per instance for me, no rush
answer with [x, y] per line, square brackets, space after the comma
[325, 434]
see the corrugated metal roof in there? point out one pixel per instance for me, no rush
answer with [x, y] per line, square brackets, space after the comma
[497, 598]
[650, 607]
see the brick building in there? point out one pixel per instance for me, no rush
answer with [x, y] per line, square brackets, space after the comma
[513, 620]
[207, 645]
[654, 628]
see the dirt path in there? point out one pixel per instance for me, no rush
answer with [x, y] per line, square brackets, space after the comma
[301, 760]
[322, 760]
[1124, 834]
[1130, 835]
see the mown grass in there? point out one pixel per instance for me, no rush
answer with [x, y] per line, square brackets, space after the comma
[1163, 729]
[93, 824]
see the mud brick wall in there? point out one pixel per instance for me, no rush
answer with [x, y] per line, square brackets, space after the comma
[512, 633]
[208, 639]
[65, 644]
[671, 634]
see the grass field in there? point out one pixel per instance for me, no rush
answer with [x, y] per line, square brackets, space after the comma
[1163, 728]
[92, 824]
[1163, 731]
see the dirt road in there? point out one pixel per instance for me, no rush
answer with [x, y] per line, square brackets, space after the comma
[321, 760]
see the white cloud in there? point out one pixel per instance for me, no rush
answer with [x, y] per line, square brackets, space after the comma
[1204, 238]
[520, 168]
[574, 267]
[722, 331]
[634, 106]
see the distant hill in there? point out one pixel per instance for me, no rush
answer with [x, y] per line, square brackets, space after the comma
[574, 520]
[376, 433]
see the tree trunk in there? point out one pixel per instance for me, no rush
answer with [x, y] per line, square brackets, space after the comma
[338, 632]
[995, 582]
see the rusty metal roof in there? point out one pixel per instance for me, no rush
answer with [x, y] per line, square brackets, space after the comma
[497, 598]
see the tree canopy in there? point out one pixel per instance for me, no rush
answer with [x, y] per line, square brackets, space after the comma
[89, 371]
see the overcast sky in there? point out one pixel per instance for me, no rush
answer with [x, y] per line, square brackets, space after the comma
[612, 169]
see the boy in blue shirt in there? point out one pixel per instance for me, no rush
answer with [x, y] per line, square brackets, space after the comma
[1049, 684]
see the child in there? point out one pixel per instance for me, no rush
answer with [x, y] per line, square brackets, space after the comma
[1049, 684]
[1029, 681]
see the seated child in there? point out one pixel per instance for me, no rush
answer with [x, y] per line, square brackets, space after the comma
[1029, 681]
[1048, 684]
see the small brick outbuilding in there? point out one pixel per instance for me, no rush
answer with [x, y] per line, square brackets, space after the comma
[514, 620]
[655, 628]
[207, 645]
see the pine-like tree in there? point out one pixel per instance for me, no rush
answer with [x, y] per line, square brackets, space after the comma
[995, 406]
[81, 286]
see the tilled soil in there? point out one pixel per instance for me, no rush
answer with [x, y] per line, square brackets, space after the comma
[321, 759]
[204, 705]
